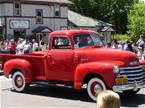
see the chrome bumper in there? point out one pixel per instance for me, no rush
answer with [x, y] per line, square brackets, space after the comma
[125, 87]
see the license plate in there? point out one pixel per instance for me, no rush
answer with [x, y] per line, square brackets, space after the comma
[121, 81]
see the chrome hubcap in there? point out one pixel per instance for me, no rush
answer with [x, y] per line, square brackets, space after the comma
[97, 89]
[19, 81]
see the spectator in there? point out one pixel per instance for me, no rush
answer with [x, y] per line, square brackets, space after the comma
[108, 45]
[12, 47]
[27, 47]
[20, 46]
[42, 46]
[120, 46]
[114, 44]
[140, 42]
[2, 48]
[35, 45]
[108, 99]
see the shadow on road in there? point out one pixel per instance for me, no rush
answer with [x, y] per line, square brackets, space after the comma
[127, 100]
[135, 100]
[58, 92]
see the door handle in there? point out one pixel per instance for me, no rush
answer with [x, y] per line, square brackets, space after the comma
[50, 58]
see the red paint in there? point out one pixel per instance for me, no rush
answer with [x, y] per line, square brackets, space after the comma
[69, 65]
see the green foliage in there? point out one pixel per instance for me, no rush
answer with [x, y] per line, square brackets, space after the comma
[112, 11]
[136, 19]
[121, 37]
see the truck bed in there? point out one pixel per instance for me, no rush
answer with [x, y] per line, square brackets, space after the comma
[36, 59]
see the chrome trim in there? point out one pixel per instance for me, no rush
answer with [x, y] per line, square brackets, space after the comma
[131, 71]
[138, 78]
[133, 86]
[141, 66]
[133, 74]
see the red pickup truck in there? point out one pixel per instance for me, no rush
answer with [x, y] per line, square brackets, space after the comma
[77, 58]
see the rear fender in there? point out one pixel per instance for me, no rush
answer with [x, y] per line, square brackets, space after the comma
[19, 64]
[105, 70]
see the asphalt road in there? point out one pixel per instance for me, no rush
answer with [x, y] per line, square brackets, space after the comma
[57, 97]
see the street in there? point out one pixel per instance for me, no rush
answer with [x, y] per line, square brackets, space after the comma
[54, 97]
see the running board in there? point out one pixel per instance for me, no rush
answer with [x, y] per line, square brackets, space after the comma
[53, 83]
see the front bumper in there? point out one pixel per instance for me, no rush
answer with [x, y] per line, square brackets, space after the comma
[133, 86]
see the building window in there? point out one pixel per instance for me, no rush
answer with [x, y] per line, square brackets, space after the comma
[17, 9]
[39, 16]
[57, 10]
[1, 32]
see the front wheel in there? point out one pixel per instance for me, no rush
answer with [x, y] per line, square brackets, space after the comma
[18, 81]
[94, 86]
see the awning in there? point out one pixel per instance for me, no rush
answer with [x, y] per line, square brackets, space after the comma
[42, 29]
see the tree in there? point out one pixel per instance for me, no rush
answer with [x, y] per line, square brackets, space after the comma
[136, 19]
[118, 14]
[112, 11]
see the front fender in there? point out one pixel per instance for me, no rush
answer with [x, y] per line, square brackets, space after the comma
[19, 64]
[105, 70]
[142, 62]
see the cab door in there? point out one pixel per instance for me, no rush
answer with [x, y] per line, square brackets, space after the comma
[61, 60]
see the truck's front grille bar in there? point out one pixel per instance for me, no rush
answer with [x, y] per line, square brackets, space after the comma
[134, 74]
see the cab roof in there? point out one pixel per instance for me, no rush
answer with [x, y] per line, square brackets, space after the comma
[70, 32]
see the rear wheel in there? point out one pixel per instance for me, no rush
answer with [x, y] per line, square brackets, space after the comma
[18, 81]
[94, 86]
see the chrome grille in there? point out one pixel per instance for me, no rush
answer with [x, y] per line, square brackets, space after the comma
[134, 74]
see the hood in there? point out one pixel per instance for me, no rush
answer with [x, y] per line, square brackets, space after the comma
[116, 56]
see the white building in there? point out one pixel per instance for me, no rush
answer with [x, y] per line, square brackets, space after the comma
[18, 18]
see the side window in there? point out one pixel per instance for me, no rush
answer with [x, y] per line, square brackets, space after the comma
[61, 43]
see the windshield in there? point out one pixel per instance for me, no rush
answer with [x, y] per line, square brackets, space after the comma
[83, 40]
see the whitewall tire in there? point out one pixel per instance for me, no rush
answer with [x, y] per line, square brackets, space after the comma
[18, 81]
[94, 86]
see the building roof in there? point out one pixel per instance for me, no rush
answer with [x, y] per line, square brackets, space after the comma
[41, 1]
[107, 28]
[83, 21]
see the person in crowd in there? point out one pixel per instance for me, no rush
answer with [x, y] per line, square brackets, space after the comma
[108, 99]
[108, 45]
[140, 42]
[12, 46]
[114, 44]
[134, 47]
[20, 46]
[120, 46]
[35, 45]
[27, 47]
[140, 53]
[42, 46]
[125, 45]
[2, 48]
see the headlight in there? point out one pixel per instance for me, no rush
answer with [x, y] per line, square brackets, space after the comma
[116, 69]
[134, 63]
